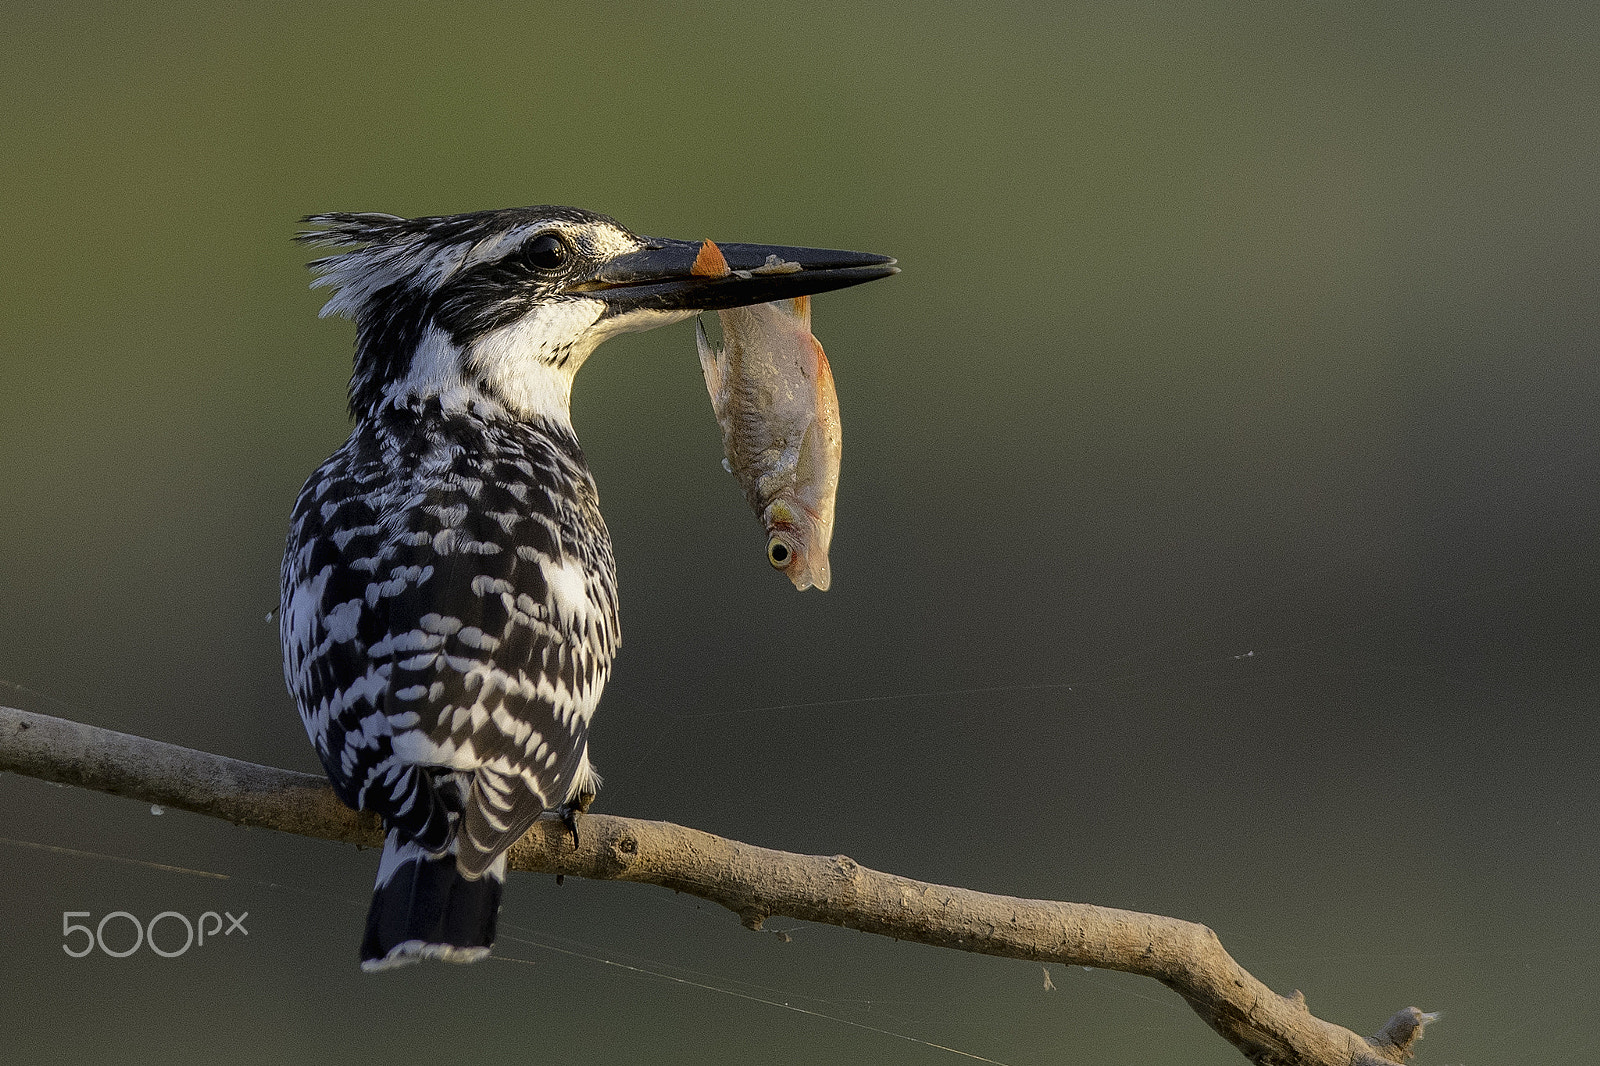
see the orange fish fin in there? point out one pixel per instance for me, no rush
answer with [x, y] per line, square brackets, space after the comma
[709, 263]
[824, 371]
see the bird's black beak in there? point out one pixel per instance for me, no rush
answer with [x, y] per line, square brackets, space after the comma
[673, 276]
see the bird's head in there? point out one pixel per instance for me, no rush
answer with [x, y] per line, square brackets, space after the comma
[503, 306]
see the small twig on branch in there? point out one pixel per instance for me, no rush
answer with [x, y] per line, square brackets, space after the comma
[755, 883]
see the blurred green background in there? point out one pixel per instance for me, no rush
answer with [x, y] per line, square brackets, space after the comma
[1216, 532]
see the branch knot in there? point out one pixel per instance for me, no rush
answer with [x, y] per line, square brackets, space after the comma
[1396, 1041]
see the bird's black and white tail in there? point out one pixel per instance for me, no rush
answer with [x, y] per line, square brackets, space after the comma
[423, 908]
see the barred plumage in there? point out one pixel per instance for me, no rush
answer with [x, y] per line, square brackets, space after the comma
[454, 606]
[449, 596]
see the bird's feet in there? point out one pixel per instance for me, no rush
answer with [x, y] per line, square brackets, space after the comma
[569, 813]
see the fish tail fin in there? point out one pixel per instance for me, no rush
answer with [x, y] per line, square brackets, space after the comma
[709, 262]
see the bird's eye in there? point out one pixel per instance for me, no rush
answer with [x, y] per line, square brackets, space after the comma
[777, 553]
[546, 251]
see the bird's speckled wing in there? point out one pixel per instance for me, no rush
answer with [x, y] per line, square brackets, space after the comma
[450, 603]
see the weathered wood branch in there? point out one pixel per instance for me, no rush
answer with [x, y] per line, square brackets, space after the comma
[755, 883]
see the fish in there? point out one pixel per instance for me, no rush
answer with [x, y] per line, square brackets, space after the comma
[773, 394]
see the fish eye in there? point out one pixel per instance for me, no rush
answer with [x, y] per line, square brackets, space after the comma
[778, 553]
[546, 251]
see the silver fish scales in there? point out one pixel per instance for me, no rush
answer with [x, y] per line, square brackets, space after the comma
[773, 394]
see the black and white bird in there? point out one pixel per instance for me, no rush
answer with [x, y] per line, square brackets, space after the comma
[449, 598]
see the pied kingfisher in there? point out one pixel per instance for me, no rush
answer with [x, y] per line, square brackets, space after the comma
[449, 599]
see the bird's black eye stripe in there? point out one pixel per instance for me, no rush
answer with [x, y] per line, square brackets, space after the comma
[546, 251]
[486, 296]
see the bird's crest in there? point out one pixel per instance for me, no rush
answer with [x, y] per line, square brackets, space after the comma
[377, 251]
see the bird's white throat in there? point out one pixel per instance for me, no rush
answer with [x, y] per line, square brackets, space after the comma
[526, 366]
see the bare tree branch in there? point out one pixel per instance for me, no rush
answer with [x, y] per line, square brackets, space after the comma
[753, 882]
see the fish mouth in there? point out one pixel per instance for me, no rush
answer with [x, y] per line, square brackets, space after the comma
[806, 541]
[671, 276]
